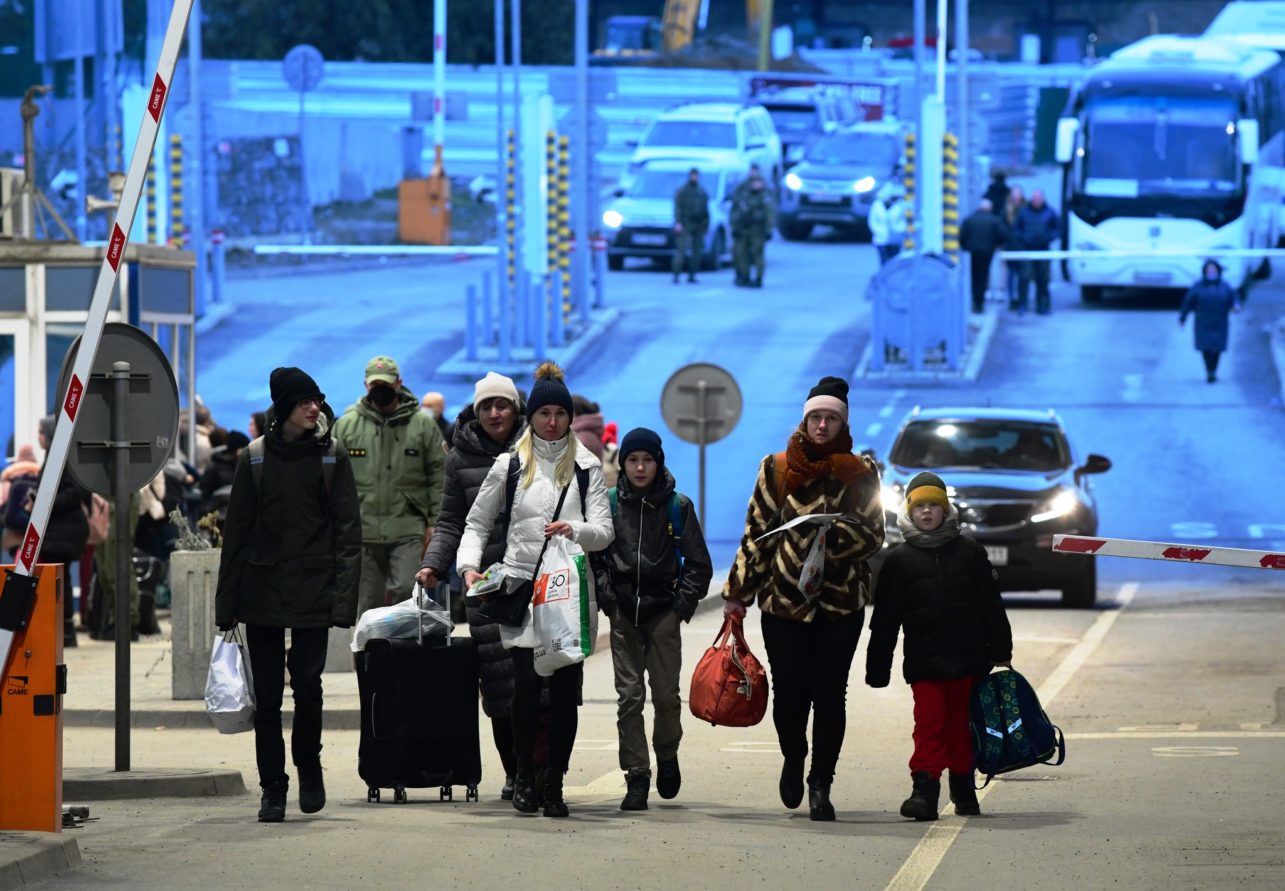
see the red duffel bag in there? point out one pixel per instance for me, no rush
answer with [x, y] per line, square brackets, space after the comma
[729, 686]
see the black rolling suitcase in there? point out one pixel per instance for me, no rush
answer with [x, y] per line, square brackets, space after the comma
[419, 717]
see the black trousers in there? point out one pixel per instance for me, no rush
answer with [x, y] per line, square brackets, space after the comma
[269, 661]
[1211, 360]
[980, 275]
[564, 716]
[810, 663]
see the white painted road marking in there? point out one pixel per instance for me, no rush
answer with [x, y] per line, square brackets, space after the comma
[1196, 752]
[927, 855]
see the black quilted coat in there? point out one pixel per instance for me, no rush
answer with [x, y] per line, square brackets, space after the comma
[472, 454]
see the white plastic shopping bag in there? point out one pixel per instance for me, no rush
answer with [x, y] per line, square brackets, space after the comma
[229, 687]
[564, 612]
[812, 574]
[418, 617]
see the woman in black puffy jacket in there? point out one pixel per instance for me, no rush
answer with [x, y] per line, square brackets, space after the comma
[484, 431]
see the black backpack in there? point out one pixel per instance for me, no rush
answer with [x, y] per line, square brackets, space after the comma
[1010, 728]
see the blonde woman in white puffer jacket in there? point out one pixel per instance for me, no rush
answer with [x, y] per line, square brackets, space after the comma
[548, 460]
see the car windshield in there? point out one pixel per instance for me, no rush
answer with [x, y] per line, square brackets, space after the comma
[794, 118]
[982, 444]
[657, 183]
[698, 134]
[867, 149]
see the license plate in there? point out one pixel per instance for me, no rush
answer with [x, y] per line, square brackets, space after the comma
[651, 240]
[1153, 278]
[823, 198]
[997, 554]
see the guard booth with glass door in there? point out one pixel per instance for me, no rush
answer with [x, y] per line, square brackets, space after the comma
[45, 292]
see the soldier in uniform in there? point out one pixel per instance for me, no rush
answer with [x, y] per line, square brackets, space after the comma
[752, 220]
[691, 221]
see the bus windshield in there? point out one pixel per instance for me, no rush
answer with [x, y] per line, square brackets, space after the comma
[1140, 145]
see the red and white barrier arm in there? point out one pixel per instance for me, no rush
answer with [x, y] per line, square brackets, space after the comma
[1159, 550]
[18, 593]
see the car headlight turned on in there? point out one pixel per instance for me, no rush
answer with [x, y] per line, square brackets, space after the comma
[793, 182]
[863, 185]
[892, 499]
[1062, 503]
[612, 219]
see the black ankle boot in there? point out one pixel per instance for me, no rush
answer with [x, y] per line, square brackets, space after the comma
[636, 795]
[554, 806]
[922, 803]
[312, 789]
[524, 796]
[791, 785]
[669, 778]
[272, 804]
[819, 806]
[506, 791]
[963, 794]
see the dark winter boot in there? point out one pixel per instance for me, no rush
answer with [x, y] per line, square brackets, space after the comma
[819, 806]
[791, 785]
[554, 806]
[669, 779]
[963, 794]
[272, 804]
[691, 277]
[636, 796]
[506, 791]
[922, 803]
[677, 278]
[524, 794]
[758, 282]
[312, 789]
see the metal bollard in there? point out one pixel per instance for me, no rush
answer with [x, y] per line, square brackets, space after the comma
[470, 326]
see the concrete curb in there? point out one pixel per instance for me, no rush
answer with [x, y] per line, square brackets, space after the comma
[27, 857]
[974, 358]
[100, 784]
[522, 360]
[1276, 334]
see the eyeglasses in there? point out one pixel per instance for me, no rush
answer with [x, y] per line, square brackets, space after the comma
[310, 401]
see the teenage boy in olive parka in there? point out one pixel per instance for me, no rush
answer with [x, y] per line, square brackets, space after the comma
[399, 465]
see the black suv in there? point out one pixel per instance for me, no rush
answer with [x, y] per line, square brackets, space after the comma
[1016, 480]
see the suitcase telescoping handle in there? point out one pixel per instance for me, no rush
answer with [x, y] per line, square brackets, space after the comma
[426, 603]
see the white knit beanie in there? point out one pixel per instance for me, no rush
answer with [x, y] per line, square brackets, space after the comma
[494, 386]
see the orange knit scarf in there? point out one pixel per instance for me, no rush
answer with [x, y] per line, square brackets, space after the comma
[806, 461]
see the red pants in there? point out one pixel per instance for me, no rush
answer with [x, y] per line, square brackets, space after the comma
[942, 738]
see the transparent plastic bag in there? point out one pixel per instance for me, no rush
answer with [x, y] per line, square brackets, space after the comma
[422, 616]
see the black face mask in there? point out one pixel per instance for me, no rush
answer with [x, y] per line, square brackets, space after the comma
[382, 397]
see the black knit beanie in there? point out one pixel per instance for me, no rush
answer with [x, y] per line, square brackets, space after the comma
[640, 439]
[830, 394]
[549, 389]
[289, 386]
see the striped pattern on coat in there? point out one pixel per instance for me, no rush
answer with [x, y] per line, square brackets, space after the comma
[769, 570]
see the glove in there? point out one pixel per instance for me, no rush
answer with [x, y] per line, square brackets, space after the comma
[877, 681]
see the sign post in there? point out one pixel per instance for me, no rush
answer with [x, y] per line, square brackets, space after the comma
[702, 404]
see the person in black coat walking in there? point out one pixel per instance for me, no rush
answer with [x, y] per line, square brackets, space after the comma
[1212, 300]
[940, 587]
[658, 568]
[1036, 227]
[483, 431]
[982, 234]
[291, 559]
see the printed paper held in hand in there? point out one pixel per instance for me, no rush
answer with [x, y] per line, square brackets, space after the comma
[825, 519]
[812, 574]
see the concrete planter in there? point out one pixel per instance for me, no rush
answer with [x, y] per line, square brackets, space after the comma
[194, 578]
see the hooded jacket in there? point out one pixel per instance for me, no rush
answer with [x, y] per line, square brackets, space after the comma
[1211, 301]
[947, 599]
[398, 463]
[641, 560]
[473, 452]
[292, 551]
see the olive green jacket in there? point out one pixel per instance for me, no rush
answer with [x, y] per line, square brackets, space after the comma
[399, 465]
[691, 208]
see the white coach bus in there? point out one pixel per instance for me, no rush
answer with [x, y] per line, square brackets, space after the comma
[1173, 144]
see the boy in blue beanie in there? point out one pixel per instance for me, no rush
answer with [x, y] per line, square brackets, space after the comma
[653, 575]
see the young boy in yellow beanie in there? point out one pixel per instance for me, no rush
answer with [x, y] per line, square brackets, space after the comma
[940, 587]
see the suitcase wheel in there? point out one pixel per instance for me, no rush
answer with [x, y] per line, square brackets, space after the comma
[399, 795]
[471, 795]
[372, 795]
[446, 793]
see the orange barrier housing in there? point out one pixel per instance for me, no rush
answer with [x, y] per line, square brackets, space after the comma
[31, 694]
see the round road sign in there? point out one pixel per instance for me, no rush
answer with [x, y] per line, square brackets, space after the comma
[151, 412]
[701, 403]
[303, 67]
